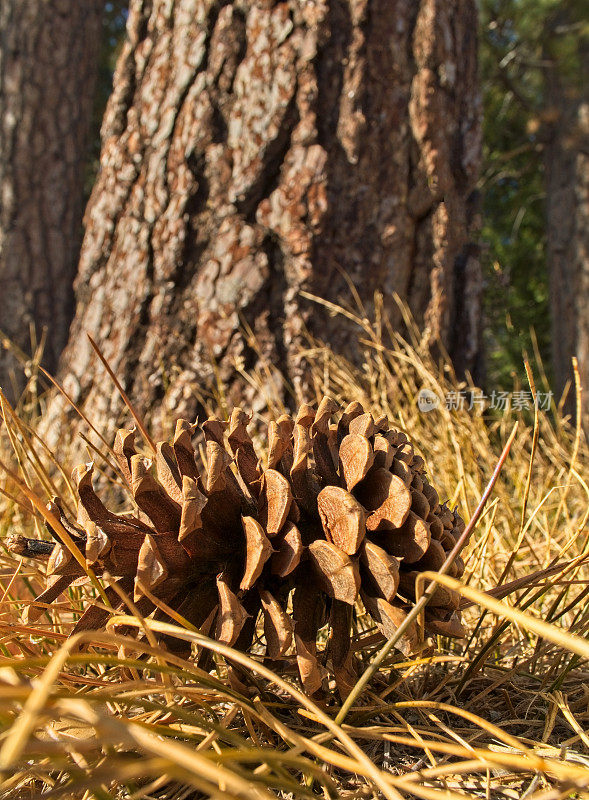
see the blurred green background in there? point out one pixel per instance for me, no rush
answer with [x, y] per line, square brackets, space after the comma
[519, 41]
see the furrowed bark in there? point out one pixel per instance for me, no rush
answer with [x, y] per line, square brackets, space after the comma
[251, 151]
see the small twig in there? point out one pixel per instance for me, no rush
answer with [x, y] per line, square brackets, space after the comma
[29, 548]
[57, 527]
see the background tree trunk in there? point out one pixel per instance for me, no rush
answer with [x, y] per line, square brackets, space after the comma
[567, 221]
[48, 63]
[252, 150]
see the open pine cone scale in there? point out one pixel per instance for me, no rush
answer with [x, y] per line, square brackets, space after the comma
[340, 510]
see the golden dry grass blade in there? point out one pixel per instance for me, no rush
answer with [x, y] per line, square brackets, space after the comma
[253, 666]
[535, 436]
[76, 408]
[527, 695]
[570, 774]
[138, 420]
[22, 729]
[543, 629]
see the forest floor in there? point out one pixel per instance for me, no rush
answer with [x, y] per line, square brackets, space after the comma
[502, 713]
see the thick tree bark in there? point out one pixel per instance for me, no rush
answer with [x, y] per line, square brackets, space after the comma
[48, 65]
[567, 226]
[252, 150]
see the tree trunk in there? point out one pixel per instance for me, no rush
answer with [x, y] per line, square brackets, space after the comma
[254, 150]
[567, 225]
[48, 65]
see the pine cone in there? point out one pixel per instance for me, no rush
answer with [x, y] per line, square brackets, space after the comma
[340, 511]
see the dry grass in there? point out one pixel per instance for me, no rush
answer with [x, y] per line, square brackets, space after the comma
[502, 713]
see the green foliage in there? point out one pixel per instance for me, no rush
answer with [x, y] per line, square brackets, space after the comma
[519, 40]
[516, 295]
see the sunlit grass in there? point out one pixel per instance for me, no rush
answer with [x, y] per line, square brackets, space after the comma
[503, 713]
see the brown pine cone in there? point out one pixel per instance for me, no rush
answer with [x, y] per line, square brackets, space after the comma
[340, 510]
